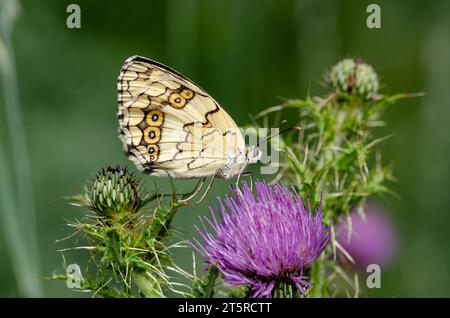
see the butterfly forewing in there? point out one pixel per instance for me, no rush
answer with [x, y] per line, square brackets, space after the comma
[170, 126]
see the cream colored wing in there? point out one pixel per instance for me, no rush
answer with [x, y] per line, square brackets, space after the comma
[170, 126]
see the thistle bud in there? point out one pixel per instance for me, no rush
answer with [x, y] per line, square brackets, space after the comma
[354, 77]
[115, 191]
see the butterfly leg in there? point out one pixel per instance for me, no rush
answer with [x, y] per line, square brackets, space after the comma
[251, 181]
[237, 180]
[207, 189]
[245, 174]
[194, 192]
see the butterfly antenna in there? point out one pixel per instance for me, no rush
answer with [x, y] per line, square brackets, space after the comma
[270, 131]
[270, 136]
[281, 132]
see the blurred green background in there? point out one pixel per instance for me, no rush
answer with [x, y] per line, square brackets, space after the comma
[245, 53]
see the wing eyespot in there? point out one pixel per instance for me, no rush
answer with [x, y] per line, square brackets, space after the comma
[154, 118]
[153, 151]
[152, 135]
[187, 94]
[177, 101]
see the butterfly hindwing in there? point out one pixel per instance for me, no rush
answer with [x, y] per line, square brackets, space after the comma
[170, 126]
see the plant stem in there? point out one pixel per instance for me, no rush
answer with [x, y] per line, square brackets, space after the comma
[145, 286]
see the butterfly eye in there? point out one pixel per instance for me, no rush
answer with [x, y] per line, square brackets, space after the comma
[187, 94]
[152, 135]
[154, 118]
[177, 101]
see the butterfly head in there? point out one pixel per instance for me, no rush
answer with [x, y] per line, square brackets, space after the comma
[237, 165]
[252, 154]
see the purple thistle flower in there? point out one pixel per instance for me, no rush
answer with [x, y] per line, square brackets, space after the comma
[263, 240]
[370, 239]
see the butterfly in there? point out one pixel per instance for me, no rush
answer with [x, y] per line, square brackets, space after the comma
[169, 126]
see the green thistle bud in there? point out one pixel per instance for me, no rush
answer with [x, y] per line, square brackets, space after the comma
[115, 191]
[355, 77]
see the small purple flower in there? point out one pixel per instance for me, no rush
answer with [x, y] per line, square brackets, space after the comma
[263, 240]
[372, 239]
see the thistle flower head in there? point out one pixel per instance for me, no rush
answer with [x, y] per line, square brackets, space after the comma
[368, 238]
[264, 240]
[114, 190]
[355, 77]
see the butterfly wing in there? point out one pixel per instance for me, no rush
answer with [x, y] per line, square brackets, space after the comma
[170, 126]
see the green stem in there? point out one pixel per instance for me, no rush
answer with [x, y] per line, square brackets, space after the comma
[316, 278]
[146, 287]
[205, 288]
[161, 225]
